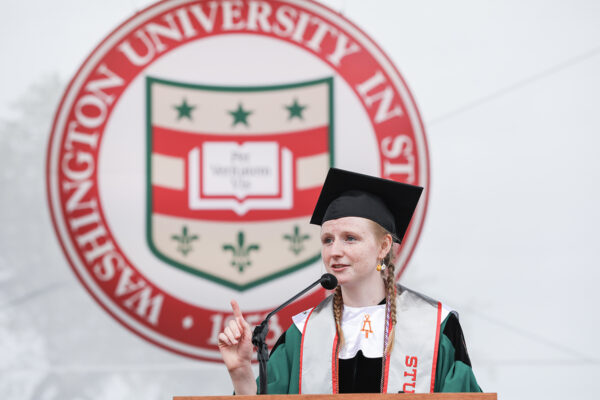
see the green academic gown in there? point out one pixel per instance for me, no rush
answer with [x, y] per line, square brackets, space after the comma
[453, 371]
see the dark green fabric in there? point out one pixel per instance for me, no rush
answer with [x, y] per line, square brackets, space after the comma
[452, 375]
[284, 367]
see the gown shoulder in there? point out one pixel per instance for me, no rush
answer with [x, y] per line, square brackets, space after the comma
[454, 372]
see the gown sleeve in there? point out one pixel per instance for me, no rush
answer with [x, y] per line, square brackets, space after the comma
[453, 370]
[283, 367]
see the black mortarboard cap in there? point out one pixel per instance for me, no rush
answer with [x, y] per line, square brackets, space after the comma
[349, 194]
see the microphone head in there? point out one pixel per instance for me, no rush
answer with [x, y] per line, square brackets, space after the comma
[329, 281]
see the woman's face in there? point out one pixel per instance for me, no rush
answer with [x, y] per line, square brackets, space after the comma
[351, 249]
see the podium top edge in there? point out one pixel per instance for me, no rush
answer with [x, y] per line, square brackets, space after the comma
[354, 396]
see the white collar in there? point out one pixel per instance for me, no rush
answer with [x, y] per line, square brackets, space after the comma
[360, 332]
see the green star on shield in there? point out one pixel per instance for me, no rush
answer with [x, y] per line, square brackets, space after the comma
[295, 110]
[240, 115]
[185, 110]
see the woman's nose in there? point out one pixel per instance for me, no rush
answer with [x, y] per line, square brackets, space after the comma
[337, 248]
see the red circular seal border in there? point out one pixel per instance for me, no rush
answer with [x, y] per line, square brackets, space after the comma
[178, 309]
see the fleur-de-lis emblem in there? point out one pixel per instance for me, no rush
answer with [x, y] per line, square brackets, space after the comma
[241, 253]
[184, 241]
[296, 240]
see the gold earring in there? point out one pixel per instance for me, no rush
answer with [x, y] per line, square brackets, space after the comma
[381, 266]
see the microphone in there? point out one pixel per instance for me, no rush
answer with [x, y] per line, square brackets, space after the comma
[328, 281]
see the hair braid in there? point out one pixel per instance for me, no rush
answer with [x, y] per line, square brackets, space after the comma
[338, 309]
[390, 287]
[389, 279]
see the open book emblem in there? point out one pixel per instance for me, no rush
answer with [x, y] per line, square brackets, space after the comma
[240, 177]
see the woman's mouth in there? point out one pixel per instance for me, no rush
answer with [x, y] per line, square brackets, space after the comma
[339, 267]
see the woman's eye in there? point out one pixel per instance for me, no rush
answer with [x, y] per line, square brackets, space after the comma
[350, 238]
[326, 240]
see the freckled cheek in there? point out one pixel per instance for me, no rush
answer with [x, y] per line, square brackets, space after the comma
[325, 255]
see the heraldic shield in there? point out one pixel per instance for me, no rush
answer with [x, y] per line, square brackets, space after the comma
[233, 174]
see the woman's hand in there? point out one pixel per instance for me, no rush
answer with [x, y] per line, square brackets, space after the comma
[235, 345]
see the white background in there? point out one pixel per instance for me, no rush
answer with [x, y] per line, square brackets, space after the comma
[508, 92]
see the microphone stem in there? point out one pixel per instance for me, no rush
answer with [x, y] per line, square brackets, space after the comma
[275, 311]
[259, 337]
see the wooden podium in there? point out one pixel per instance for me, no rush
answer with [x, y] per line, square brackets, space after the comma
[353, 396]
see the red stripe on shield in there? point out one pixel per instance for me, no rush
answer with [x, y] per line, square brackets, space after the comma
[178, 143]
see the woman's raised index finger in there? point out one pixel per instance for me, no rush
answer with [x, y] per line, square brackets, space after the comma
[236, 309]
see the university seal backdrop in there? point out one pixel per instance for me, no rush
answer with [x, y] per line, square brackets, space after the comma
[190, 147]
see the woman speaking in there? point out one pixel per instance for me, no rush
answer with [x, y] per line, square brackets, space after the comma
[371, 335]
